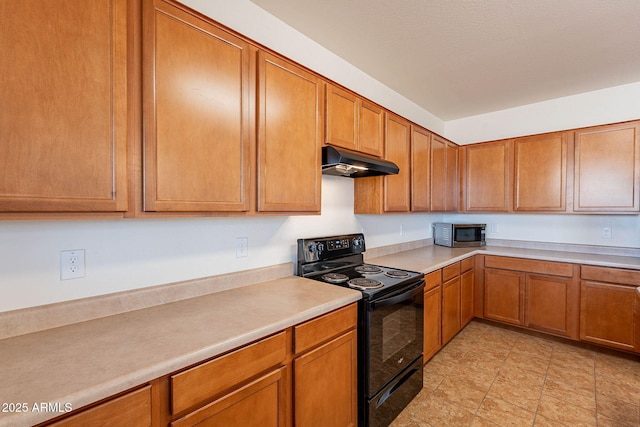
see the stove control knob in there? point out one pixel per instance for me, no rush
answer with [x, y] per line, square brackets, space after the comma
[320, 247]
[312, 247]
[357, 242]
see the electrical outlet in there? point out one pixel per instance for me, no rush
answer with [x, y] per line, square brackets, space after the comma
[402, 230]
[72, 264]
[242, 247]
[606, 232]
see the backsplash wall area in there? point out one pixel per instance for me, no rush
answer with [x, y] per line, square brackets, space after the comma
[129, 254]
[132, 253]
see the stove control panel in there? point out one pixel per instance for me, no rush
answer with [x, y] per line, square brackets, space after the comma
[324, 248]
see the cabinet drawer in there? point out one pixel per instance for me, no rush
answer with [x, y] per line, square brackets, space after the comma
[529, 265]
[324, 327]
[432, 279]
[131, 409]
[450, 271]
[260, 402]
[611, 275]
[208, 379]
[467, 264]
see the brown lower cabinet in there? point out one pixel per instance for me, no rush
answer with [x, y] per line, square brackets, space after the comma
[610, 307]
[448, 304]
[432, 314]
[271, 382]
[539, 295]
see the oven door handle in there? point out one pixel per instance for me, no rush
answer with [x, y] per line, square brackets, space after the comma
[395, 299]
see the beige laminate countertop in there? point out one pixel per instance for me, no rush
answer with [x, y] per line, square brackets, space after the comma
[88, 361]
[431, 258]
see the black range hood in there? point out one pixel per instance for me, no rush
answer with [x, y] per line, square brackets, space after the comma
[340, 162]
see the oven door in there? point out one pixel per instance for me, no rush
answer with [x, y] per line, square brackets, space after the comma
[394, 338]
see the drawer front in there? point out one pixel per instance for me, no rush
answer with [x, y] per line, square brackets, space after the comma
[259, 403]
[611, 275]
[529, 265]
[131, 409]
[450, 271]
[210, 378]
[323, 328]
[467, 264]
[432, 279]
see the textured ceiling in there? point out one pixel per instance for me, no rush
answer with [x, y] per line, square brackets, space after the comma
[458, 58]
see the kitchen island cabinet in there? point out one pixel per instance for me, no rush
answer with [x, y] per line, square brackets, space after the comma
[65, 106]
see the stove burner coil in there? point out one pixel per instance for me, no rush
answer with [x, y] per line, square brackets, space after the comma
[360, 283]
[368, 269]
[397, 274]
[335, 278]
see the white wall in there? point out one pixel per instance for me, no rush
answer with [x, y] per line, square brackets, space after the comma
[616, 104]
[134, 253]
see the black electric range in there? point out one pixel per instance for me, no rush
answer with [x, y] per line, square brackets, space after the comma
[390, 322]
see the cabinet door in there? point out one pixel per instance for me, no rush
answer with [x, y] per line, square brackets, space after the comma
[63, 120]
[289, 134]
[341, 118]
[261, 403]
[450, 309]
[444, 175]
[325, 382]
[607, 168]
[487, 177]
[610, 315]
[504, 296]
[432, 313]
[420, 168]
[466, 297]
[452, 178]
[540, 173]
[196, 114]
[371, 129]
[131, 409]
[552, 304]
[438, 173]
[397, 194]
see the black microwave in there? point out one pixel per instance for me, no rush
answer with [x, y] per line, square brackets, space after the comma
[459, 235]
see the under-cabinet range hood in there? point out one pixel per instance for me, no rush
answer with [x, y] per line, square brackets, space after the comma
[336, 161]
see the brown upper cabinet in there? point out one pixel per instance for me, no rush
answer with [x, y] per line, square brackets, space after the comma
[420, 169]
[540, 173]
[444, 175]
[63, 126]
[607, 168]
[201, 87]
[289, 136]
[353, 123]
[390, 193]
[196, 114]
[487, 177]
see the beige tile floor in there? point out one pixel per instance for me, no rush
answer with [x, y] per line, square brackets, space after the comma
[492, 376]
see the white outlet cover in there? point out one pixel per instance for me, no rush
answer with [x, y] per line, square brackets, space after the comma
[72, 264]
